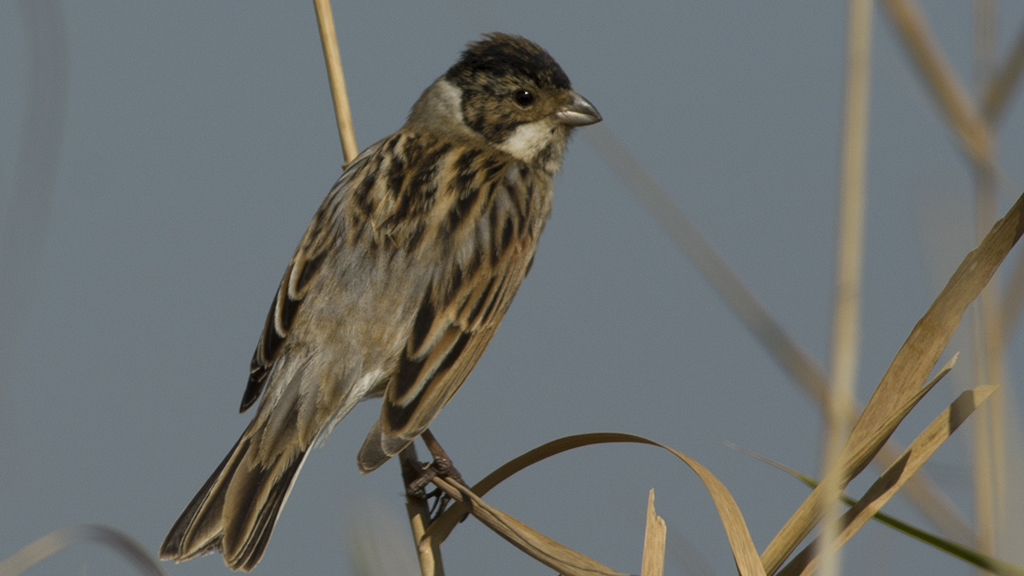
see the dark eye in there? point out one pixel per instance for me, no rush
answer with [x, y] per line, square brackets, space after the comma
[524, 97]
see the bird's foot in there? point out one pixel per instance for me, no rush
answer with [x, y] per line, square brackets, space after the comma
[441, 467]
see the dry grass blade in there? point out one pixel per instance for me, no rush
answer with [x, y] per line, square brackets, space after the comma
[953, 100]
[736, 531]
[929, 499]
[811, 509]
[545, 550]
[912, 363]
[854, 464]
[1001, 86]
[783, 349]
[932, 332]
[954, 549]
[1004, 82]
[56, 541]
[332, 57]
[989, 468]
[845, 346]
[893, 479]
[910, 366]
[850, 247]
[654, 542]
[428, 548]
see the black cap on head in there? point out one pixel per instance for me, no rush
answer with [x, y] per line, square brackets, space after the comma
[502, 55]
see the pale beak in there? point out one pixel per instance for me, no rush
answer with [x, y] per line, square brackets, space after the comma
[579, 112]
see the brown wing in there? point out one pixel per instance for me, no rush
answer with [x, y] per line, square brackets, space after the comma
[491, 222]
[429, 374]
[447, 340]
[302, 270]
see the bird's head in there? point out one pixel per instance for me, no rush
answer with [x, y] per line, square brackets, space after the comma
[510, 92]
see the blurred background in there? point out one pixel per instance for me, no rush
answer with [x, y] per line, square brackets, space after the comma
[160, 161]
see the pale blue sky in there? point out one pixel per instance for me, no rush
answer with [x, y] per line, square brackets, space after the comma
[199, 139]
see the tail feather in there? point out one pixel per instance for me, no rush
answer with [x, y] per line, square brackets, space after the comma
[187, 537]
[378, 448]
[259, 536]
[236, 509]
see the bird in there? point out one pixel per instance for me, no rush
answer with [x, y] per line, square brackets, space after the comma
[397, 285]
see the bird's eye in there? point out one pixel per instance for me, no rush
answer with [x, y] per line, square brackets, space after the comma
[524, 97]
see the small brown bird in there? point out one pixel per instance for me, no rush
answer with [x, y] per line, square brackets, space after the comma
[398, 284]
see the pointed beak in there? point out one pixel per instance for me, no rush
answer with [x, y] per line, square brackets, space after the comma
[579, 112]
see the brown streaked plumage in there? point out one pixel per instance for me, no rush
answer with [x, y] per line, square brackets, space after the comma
[398, 284]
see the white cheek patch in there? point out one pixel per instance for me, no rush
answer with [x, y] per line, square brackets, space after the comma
[527, 140]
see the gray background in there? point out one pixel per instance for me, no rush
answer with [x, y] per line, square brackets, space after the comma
[199, 139]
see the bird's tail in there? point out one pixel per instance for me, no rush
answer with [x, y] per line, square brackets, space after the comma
[235, 511]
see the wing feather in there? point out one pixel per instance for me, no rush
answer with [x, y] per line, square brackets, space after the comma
[300, 274]
[463, 307]
[430, 373]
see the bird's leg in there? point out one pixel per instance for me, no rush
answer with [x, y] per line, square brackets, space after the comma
[441, 466]
[417, 488]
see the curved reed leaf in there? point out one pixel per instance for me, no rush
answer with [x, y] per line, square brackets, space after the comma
[543, 549]
[56, 541]
[736, 530]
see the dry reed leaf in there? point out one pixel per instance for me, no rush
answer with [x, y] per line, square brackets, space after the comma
[543, 549]
[910, 366]
[932, 332]
[653, 563]
[736, 531]
[811, 509]
[58, 540]
[1003, 83]
[997, 95]
[849, 263]
[941, 428]
[954, 549]
[886, 428]
[783, 349]
[954, 102]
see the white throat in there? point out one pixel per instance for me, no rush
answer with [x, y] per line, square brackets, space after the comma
[527, 140]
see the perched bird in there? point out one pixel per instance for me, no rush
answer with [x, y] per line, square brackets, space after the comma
[398, 284]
